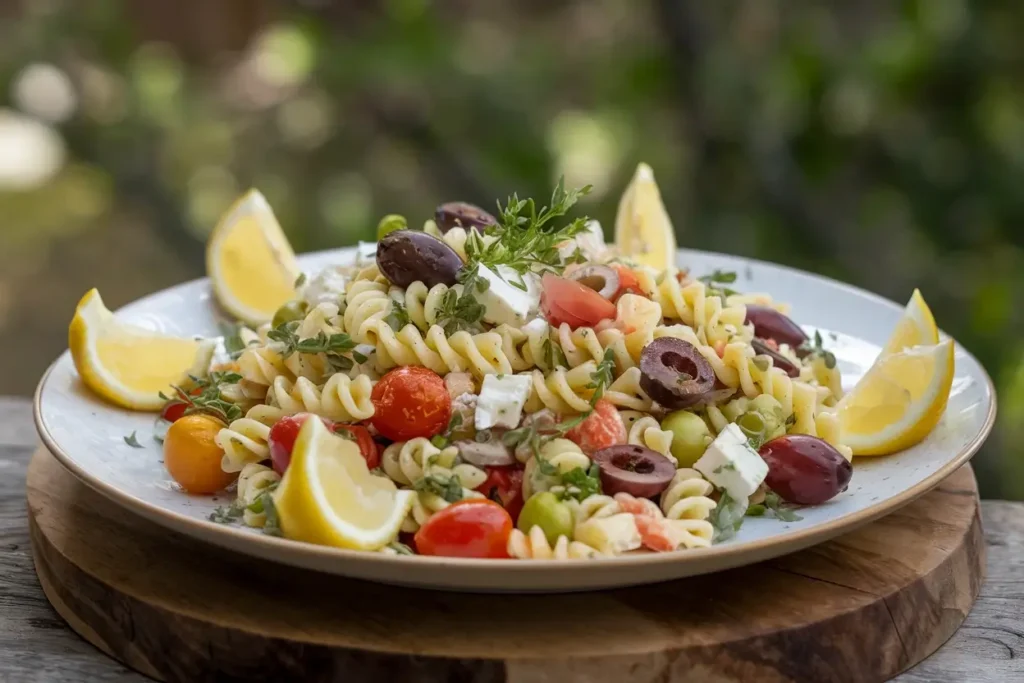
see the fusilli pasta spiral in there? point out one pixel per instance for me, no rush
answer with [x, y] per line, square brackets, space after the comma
[563, 455]
[252, 481]
[709, 316]
[644, 430]
[535, 546]
[480, 354]
[245, 440]
[569, 391]
[341, 398]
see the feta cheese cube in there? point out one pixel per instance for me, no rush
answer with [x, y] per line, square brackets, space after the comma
[590, 242]
[504, 302]
[610, 535]
[732, 465]
[501, 401]
[328, 286]
[536, 326]
[366, 253]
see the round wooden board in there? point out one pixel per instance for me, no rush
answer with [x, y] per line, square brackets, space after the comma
[860, 608]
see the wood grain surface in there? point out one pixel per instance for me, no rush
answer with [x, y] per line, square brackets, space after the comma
[861, 608]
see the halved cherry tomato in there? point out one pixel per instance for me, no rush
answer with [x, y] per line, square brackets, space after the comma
[567, 301]
[281, 439]
[175, 409]
[468, 528]
[602, 428]
[367, 446]
[504, 485]
[410, 402]
[628, 282]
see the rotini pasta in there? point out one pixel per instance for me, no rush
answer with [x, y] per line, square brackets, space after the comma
[480, 354]
[341, 398]
[535, 546]
[567, 392]
[244, 441]
[644, 430]
[561, 454]
[711, 319]
[253, 480]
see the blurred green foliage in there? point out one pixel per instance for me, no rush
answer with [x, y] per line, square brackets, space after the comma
[881, 143]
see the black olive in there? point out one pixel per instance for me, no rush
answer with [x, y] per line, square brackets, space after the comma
[462, 215]
[407, 256]
[770, 324]
[601, 279]
[635, 470]
[780, 361]
[674, 374]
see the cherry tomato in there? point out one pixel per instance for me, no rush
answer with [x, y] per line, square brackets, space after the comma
[410, 402]
[367, 446]
[175, 409]
[504, 485]
[601, 429]
[469, 528]
[192, 456]
[281, 439]
[628, 282]
[567, 301]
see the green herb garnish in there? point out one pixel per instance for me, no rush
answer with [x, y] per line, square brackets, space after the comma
[816, 349]
[398, 317]
[203, 396]
[717, 278]
[233, 343]
[447, 487]
[554, 357]
[226, 514]
[272, 526]
[774, 504]
[727, 517]
[133, 441]
[462, 311]
[299, 281]
[581, 484]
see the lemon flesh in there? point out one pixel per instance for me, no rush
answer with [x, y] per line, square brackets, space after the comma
[249, 261]
[916, 328]
[899, 401]
[329, 497]
[643, 230]
[126, 364]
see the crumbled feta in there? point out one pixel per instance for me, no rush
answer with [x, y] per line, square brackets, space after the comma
[536, 326]
[507, 303]
[590, 242]
[328, 286]
[501, 401]
[732, 465]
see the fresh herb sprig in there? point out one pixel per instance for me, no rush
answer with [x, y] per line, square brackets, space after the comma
[227, 514]
[447, 487]
[580, 483]
[443, 439]
[398, 317]
[264, 504]
[726, 517]
[338, 348]
[463, 311]
[716, 279]
[133, 441]
[816, 349]
[202, 395]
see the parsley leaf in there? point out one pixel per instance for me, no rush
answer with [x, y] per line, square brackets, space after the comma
[133, 441]
[774, 504]
[727, 517]
[719, 277]
[816, 349]
[603, 376]
[447, 487]
[581, 484]
[226, 514]
[398, 318]
[462, 311]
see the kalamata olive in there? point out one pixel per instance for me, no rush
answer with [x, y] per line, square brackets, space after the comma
[407, 256]
[770, 324]
[805, 470]
[635, 470]
[462, 215]
[602, 279]
[674, 374]
[778, 359]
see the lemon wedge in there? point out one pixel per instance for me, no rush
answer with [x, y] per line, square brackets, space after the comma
[329, 497]
[899, 401]
[130, 365]
[250, 262]
[643, 231]
[916, 328]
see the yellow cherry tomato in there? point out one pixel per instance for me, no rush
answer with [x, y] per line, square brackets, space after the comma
[192, 457]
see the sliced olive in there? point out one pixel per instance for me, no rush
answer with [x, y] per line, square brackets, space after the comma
[635, 470]
[780, 361]
[770, 324]
[602, 279]
[674, 374]
[462, 215]
[407, 256]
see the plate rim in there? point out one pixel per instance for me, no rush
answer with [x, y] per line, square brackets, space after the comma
[237, 539]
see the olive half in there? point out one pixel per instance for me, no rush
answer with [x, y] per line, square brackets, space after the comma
[602, 279]
[635, 470]
[408, 256]
[674, 374]
[770, 324]
[462, 215]
[780, 361]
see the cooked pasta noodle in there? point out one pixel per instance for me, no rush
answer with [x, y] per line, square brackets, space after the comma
[244, 441]
[253, 480]
[644, 430]
[710, 318]
[563, 455]
[535, 546]
[687, 496]
[408, 462]
[425, 504]
[480, 354]
[341, 398]
[569, 391]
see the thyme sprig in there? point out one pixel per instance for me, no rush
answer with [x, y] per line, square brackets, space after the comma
[715, 279]
[338, 348]
[816, 349]
[202, 395]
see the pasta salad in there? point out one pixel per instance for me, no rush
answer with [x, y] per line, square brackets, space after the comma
[513, 386]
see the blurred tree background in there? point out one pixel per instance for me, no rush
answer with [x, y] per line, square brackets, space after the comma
[881, 143]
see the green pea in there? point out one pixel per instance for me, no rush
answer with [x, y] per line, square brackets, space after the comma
[552, 515]
[690, 436]
[293, 310]
[390, 223]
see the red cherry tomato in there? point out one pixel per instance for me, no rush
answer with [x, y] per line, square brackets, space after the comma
[282, 439]
[470, 528]
[504, 485]
[175, 409]
[410, 402]
[567, 301]
[628, 282]
[361, 435]
[603, 428]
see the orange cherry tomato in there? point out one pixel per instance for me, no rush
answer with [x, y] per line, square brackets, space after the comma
[469, 528]
[602, 428]
[566, 301]
[192, 457]
[410, 402]
[628, 282]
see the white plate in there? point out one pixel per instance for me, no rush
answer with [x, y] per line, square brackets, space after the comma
[87, 436]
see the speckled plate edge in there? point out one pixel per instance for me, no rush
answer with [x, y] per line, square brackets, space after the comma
[514, 575]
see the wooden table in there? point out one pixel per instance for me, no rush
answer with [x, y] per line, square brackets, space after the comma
[35, 645]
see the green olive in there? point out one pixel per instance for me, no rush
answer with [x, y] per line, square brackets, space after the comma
[690, 436]
[552, 515]
[293, 310]
[390, 223]
[770, 410]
